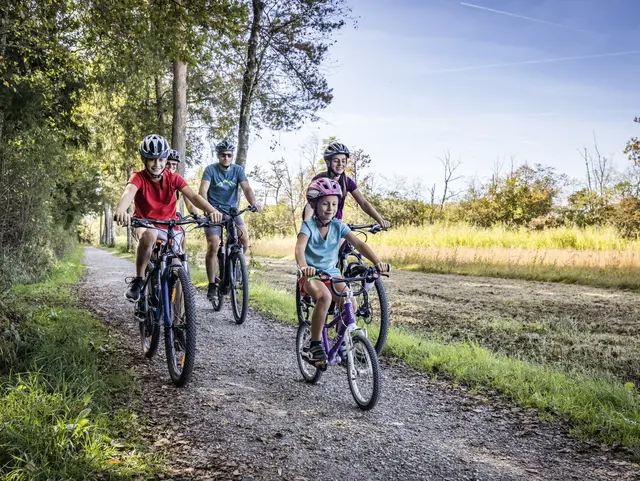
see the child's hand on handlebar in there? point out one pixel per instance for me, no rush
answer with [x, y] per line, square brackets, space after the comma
[383, 267]
[257, 207]
[385, 224]
[123, 218]
[308, 271]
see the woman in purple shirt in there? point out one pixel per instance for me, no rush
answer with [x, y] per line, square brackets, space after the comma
[336, 156]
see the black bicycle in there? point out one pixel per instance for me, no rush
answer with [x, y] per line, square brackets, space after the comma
[372, 310]
[168, 299]
[232, 266]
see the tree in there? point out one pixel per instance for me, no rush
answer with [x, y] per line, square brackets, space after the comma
[449, 167]
[633, 147]
[282, 85]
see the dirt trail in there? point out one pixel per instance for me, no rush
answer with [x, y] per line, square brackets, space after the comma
[247, 414]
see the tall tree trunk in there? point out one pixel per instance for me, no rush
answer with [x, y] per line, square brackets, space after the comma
[249, 80]
[179, 128]
[101, 241]
[162, 121]
[3, 46]
[130, 239]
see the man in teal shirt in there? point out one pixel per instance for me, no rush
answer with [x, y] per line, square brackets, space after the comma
[219, 185]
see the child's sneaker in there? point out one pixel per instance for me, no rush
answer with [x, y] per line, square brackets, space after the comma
[315, 355]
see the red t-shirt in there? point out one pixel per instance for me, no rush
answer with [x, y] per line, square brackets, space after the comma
[156, 200]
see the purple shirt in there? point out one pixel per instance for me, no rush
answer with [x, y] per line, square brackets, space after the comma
[351, 186]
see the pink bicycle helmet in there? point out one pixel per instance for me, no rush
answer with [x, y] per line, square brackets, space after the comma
[321, 188]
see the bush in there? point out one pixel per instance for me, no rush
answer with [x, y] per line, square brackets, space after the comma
[627, 217]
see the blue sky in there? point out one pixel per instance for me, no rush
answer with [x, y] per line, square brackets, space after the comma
[418, 77]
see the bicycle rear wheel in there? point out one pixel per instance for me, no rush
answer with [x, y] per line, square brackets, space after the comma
[310, 373]
[372, 315]
[239, 287]
[216, 302]
[363, 372]
[149, 327]
[180, 338]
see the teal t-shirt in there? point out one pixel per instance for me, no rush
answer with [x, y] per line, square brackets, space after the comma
[223, 187]
[323, 253]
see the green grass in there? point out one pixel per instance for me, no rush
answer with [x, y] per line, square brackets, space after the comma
[597, 406]
[59, 382]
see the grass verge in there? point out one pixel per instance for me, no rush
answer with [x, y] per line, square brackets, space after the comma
[59, 387]
[597, 406]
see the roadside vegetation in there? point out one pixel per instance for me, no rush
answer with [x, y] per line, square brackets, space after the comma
[66, 402]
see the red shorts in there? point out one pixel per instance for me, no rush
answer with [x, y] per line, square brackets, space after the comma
[304, 279]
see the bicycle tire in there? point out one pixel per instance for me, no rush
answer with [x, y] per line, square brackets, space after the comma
[369, 353]
[239, 309]
[378, 338]
[180, 338]
[299, 311]
[310, 374]
[149, 328]
[216, 302]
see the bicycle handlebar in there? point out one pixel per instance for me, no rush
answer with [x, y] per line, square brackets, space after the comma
[204, 222]
[371, 228]
[369, 275]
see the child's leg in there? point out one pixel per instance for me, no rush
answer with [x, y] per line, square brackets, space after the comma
[320, 293]
[146, 240]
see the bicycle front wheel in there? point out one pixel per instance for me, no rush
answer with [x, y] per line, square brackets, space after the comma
[239, 287]
[180, 338]
[363, 371]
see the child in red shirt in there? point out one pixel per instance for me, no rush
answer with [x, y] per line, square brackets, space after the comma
[153, 190]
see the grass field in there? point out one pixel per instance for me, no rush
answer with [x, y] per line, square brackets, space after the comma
[598, 257]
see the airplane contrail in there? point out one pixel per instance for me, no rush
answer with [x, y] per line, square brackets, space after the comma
[524, 17]
[531, 62]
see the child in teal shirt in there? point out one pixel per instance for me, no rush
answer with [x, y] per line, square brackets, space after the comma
[317, 249]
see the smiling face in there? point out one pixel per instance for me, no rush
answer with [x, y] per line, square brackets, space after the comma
[155, 166]
[339, 163]
[172, 165]
[327, 207]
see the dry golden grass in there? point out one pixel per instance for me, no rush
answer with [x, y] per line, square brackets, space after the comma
[608, 268]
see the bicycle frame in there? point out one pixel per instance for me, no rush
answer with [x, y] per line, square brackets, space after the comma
[344, 330]
[162, 267]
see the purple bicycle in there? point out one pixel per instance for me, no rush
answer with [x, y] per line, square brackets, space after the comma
[349, 347]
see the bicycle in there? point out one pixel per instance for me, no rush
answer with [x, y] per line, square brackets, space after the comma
[168, 299]
[366, 312]
[361, 358]
[232, 267]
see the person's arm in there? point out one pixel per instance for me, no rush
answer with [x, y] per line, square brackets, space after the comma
[366, 251]
[248, 193]
[366, 206]
[190, 207]
[301, 260]
[122, 216]
[200, 203]
[307, 213]
[204, 188]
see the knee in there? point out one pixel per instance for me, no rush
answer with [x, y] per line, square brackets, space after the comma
[213, 245]
[324, 299]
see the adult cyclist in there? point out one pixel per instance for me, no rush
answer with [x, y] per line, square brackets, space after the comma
[219, 185]
[154, 191]
[336, 155]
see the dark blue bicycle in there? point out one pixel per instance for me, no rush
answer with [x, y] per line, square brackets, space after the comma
[168, 299]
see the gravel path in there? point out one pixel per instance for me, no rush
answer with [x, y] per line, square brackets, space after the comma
[248, 415]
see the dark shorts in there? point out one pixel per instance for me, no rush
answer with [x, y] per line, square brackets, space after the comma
[217, 230]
